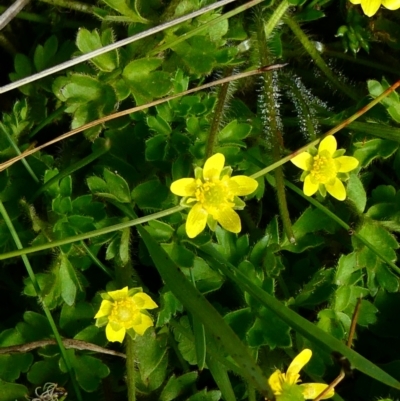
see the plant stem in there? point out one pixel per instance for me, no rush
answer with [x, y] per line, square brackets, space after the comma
[38, 291]
[130, 368]
[359, 60]
[15, 147]
[313, 52]
[72, 5]
[90, 234]
[271, 120]
[277, 15]
[217, 117]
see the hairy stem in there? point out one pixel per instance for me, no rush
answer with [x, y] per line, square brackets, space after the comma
[273, 125]
[218, 114]
[72, 5]
[275, 18]
[319, 61]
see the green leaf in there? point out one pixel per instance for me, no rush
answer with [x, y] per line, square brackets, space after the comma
[330, 322]
[185, 341]
[44, 55]
[69, 280]
[205, 395]
[150, 194]
[179, 254]
[240, 320]
[234, 132]
[150, 351]
[160, 231]
[46, 370]
[117, 186]
[124, 246]
[159, 125]
[168, 308]
[145, 83]
[269, 329]
[156, 147]
[76, 317]
[12, 391]
[177, 386]
[368, 313]
[66, 186]
[12, 365]
[356, 193]
[87, 42]
[34, 327]
[89, 371]
[127, 8]
[373, 149]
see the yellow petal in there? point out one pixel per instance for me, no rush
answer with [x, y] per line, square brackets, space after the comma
[143, 301]
[329, 143]
[229, 220]
[336, 189]
[196, 221]
[213, 166]
[242, 185]
[183, 187]
[344, 164]
[355, 1]
[391, 4]
[310, 187]
[370, 7]
[105, 309]
[119, 294]
[312, 390]
[115, 335]
[303, 160]
[143, 325]
[275, 382]
[292, 374]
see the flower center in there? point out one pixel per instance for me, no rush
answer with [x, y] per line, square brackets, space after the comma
[323, 169]
[123, 312]
[214, 195]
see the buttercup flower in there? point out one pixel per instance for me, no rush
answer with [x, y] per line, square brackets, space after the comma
[278, 381]
[123, 311]
[213, 196]
[325, 169]
[370, 7]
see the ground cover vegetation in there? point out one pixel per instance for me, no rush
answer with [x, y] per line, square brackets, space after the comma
[232, 240]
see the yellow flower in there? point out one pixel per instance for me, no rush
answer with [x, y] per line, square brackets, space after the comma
[213, 196]
[325, 169]
[123, 311]
[278, 381]
[370, 7]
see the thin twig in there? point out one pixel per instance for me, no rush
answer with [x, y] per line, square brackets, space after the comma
[112, 46]
[11, 12]
[68, 343]
[28, 152]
